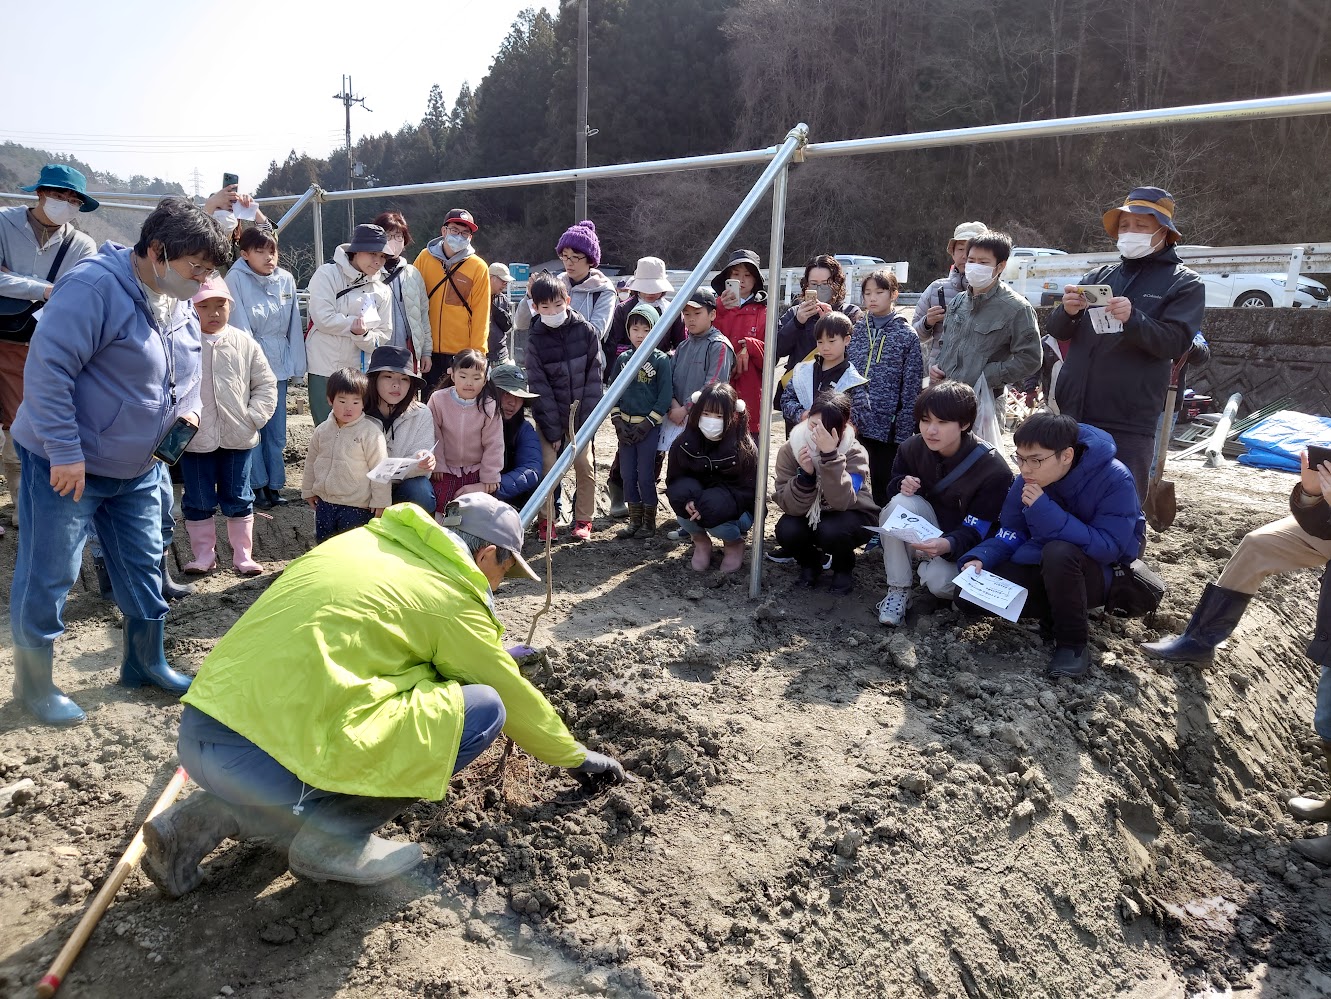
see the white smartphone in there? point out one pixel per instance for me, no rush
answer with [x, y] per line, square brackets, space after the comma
[732, 286]
[1096, 294]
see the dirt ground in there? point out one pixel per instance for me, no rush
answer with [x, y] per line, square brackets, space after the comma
[826, 808]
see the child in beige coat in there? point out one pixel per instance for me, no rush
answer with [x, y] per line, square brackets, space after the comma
[343, 451]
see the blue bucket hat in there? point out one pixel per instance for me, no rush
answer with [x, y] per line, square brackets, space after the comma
[1154, 201]
[67, 179]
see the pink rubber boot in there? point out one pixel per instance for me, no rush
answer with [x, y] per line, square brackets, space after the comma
[240, 532]
[203, 542]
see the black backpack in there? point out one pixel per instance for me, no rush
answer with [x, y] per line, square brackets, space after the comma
[1135, 590]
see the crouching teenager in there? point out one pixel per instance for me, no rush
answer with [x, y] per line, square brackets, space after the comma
[712, 475]
[952, 479]
[1071, 514]
[822, 488]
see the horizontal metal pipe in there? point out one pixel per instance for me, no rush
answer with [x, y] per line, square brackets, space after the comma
[1191, 114]
[102, 204]
[744, 158]
[782, 156]
[276, 199]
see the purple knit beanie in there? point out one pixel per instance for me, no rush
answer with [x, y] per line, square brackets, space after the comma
[581, 238]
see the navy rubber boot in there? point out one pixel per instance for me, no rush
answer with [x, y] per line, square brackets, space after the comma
[1214, 620]
[36, 691]
[145, 659]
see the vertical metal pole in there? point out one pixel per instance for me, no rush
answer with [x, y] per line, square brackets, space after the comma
[319, 230]
[580, 186]
[769, 381]
[351, 209]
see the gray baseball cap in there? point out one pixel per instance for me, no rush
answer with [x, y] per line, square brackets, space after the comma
[510, 378]
[492, 520]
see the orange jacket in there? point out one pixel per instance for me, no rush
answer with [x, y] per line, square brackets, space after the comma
[457, 322]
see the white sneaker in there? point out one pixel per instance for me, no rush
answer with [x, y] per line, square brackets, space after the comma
[892, 608]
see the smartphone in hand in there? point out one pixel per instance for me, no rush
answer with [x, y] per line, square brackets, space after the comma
[230, 180]
[1095, 294]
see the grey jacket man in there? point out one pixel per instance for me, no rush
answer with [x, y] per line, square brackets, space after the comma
[25, 263]
[992, 334]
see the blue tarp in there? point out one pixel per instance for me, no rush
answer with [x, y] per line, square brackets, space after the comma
[1277, 440]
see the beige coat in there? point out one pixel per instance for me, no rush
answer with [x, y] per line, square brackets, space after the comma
[244, 390]
[331, 344]
[840, 480]
[338, 460]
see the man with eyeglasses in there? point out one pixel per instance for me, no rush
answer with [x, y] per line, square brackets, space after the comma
[112, 371]
[457, 282]
[1071, 514]
[37, 246]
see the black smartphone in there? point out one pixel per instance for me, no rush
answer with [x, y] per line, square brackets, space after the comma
[172, 446]
[1318, 455]
[941, 300]
[230, 179]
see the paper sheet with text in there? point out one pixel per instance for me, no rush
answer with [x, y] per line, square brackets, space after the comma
[992, 592]
[391, 469]
[908, 527]
[1102, 322]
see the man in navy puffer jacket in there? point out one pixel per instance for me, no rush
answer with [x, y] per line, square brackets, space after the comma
[1071, 513]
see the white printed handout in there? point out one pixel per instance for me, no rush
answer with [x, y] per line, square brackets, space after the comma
[246, 213]
[1102, 322]
[908, 527]
[369, 312]
[391, 469]
[992, 592]
[669, 431]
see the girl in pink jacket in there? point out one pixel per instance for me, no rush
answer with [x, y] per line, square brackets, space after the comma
[468, 431]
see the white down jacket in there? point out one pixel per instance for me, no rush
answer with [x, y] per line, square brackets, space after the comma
[244, 390]
[331, 344]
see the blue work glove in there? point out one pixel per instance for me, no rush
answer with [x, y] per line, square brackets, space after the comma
[597, 772]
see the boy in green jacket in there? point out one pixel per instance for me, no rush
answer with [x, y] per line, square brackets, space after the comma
[364, 677]
[637, 418]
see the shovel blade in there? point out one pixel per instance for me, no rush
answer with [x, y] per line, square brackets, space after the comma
[1161, 506]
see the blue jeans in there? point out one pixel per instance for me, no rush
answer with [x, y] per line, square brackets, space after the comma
[127, 514]
[168, 520]
[239, 772]
[1322, 716]
[418, 489]
[213, 477]
[267, 469]
[731, 530]
[332, 519]
[637, 466]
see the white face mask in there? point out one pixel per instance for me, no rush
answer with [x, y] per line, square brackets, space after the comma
[59, 212]
[455, 243]
[394, 246]
[555, 320]
[979, 275]
[712, 427]
[171, 284]
[226, 220]
[1135, 245]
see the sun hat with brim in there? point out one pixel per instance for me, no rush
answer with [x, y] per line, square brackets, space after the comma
[748, 257]
[650, 277]
[964, 233]
[396, 360]
[368, 238]
[1154, 201]
[214, 287]
[511, 379]
[501, 272]
[66, 178]
[482, 516]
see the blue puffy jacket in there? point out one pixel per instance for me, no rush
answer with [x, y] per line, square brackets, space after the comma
[1093, 507]
[522, 458]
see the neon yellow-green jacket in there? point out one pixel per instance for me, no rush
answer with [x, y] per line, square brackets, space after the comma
[348, 670]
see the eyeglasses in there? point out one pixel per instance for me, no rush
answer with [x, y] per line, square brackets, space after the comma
[568, 256]
[199, 271]
[69, 197]
[1033, 461]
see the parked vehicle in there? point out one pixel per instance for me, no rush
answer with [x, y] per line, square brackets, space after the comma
[858, 260]
[1261, 291]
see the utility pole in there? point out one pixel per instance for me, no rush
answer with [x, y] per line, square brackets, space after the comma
[580, 186]
[348, 98]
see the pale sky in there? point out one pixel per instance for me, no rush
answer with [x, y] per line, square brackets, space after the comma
[164, 88]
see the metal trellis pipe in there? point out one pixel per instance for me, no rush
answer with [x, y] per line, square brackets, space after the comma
[780, 160]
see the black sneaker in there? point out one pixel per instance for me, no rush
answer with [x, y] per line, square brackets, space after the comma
[261, 500]
[809, 577]
[1069, 662]
[275, 497]
[779, 555]
[842, 583]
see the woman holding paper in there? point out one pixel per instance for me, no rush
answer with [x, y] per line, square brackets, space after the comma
[393, 399]
[351, 313]
[1069, 517]
[822, 488]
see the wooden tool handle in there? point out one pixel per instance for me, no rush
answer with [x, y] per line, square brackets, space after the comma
[68, 953]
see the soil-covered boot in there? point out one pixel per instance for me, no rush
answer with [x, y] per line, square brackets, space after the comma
[1317, 850]
[104, 589]
[1214, 620]
[172, 590]
[203, 542]
[13, 476]
[630, 530]
[36, 691]
[1313, 809]
[702, 552]
[178, 840]
[733, 557]
[648, 528]
[618, 508]
[240, 532]
[337, 842]
[145, 658]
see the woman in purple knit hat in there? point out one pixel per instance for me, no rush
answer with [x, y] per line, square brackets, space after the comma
[592, 294]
